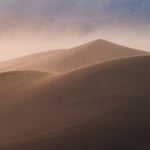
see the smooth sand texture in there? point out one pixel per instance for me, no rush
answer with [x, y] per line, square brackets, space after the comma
[66, 60]
[104, 105]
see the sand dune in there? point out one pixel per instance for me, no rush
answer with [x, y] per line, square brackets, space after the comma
[26, 60]
[102, 106]
[66, 60]
[16, 82]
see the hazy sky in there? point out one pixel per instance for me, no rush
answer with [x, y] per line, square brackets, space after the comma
[28, 26]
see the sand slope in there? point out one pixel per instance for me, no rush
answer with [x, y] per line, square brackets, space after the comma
[15, 64]
[66, 60]
[102, 106]
[16, 82]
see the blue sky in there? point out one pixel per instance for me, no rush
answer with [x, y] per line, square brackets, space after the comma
[129, 11]
[55, 23]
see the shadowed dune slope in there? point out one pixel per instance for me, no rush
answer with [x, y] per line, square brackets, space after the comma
[70, 59]
[102, 106]
[12, 84]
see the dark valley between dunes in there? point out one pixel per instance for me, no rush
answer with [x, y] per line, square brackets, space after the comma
[95, 96]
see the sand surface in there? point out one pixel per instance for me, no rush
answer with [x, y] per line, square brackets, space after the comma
[58, 61]
[95, 96]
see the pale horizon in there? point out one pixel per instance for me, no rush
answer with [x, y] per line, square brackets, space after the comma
[34, 26]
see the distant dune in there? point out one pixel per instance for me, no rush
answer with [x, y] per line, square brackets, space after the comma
[70, 59]
[98, 100]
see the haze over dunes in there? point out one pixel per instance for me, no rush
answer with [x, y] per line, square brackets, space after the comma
[94, 96]
[32, 26]
[70, 59]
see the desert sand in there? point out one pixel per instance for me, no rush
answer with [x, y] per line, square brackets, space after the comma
[58, 61]
[91, 97]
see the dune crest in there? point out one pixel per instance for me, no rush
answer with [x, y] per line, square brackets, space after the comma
[95, 104]
[95, 96]
[70, 59]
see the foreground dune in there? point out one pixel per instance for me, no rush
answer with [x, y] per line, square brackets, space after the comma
[101, 106]
[16, 82]
[66, 60]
